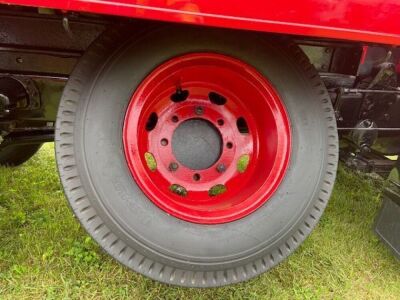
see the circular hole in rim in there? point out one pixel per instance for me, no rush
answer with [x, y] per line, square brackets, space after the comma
[220, 122]
[164, 142]
[217, 190]
[196, 177]
[151, 121]
[175, 119]
[229, 145]
[180, 95]
[216, 98]
[179, 190]
[242, 126]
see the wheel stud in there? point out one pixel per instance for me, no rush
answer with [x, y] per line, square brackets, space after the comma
[199, 110]
[173, 166]
[221, 168]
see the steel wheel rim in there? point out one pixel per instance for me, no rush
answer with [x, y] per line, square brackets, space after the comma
[223, 91]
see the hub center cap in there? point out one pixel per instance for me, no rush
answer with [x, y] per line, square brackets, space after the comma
[197, 144]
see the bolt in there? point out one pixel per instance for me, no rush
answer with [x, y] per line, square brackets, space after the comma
[19, 60]
[221, 168]
[199, 110]
[164, 142]
[173, 166]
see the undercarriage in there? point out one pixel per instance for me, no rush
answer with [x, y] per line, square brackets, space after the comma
[39, 49]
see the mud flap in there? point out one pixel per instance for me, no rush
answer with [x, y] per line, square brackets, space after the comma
[387, 224]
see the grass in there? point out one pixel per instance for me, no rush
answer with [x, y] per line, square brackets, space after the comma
[45, 254]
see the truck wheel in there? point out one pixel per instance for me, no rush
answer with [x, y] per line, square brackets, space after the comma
[15, 155]
[194, 156]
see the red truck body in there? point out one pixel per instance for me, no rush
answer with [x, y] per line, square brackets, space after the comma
[376, 21]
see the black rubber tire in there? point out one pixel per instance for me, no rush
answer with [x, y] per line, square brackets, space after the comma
[127, 225]
[15, 155]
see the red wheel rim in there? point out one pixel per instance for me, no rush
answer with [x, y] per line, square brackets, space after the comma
[235, 101]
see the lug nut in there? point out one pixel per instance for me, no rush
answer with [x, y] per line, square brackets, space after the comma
[221, 168]
[199, 110]
[173, 166]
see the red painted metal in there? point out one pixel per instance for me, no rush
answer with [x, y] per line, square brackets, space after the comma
[249, 95]
[362, 20]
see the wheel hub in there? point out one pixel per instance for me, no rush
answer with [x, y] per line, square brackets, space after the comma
[197, 144]
[207, 138]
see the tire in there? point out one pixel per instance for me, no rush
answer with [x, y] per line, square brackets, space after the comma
[15, 155]
[115, 211]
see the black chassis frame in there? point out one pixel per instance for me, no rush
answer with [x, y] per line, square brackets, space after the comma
[39, 49]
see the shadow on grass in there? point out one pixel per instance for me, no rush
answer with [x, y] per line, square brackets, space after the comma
[45, 254]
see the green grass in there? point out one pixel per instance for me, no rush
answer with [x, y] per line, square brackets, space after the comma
[45, 254]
